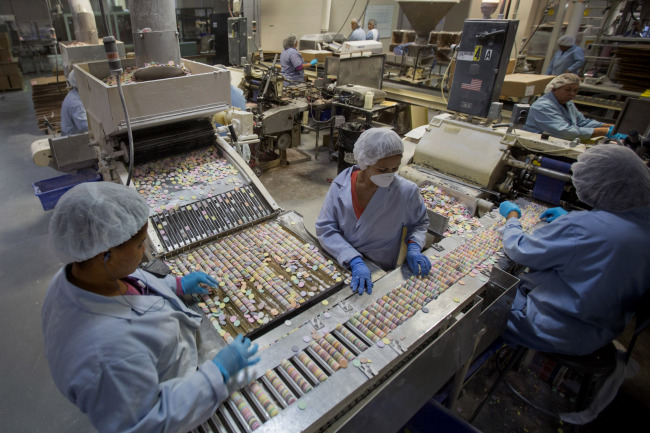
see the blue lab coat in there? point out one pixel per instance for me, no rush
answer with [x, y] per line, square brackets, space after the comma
[73, 115]
[129, 362]
[377, 234]
[357, 35]
[237, 98]
[571, 60]
[566, 122]
[290, 59]
[588, 271]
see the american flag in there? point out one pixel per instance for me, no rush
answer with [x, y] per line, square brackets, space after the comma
[473, 85]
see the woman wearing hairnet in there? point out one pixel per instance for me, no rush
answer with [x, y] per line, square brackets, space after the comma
[569, 58]
[291, 62]
[588, 269]
[120, 343]
[555, 114]
[366, 208]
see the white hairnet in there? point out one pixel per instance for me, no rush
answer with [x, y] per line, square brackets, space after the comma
[612, 177]
[375, 144]
[566, 41]
[72, 79]
[95, 216]
[356, 22]
[562, 80]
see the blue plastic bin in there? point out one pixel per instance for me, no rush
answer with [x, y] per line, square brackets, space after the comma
[49, 191]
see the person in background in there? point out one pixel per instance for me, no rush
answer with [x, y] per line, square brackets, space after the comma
[357, 32]
[293, 66]
[368, 206]
[73, 113]
[237, 98]
[373, 33]
[570, 58]
[555, 114]
[588, 269]
[120, 342]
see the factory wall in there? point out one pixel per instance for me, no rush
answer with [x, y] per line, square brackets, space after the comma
[282, 17]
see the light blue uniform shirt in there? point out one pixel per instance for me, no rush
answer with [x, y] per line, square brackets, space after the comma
[548, 115]
[372, 35]
[571, 60]
[73, 114]
[377, 234]
[237, 98]
[129, 362]
[588, 271]
[290, 59]
[357, 35]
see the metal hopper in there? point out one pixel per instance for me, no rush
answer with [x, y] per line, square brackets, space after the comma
[424, 15]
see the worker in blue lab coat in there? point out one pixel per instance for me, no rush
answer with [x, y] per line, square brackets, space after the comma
[366, 208]
[588, 269]
[73, 113]
[120, 343]
[569, 58]
[237, 98]
[291, 62]
[373, 33]
[357, 31]
[555, 113]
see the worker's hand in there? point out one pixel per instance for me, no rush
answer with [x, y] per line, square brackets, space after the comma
[418, 263]
[191, 283]
[507, 206]
[314, 62]
[552, 214]
[361, 277]
[617, 136]
[235, 357]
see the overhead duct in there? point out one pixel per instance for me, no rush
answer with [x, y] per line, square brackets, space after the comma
[83, 17]
[424, 15]
[155, 39]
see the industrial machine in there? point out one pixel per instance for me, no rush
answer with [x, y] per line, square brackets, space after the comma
[278, 112]
[237, 40]
[477, 159]
[418, 57]
[481, 63]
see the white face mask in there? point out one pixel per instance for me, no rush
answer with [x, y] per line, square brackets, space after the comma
[382, 180]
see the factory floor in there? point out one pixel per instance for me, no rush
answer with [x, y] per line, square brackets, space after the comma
[29, 400]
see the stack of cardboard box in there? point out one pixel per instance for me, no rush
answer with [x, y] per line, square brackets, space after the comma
[10, 75]
[48, 94]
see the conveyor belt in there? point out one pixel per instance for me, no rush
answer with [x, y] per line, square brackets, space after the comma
[333, 352]
[204, 219]
[266, 275]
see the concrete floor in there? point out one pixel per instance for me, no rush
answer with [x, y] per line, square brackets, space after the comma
[30, 402]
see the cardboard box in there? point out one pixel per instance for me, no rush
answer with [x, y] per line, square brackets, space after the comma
[5, 42]
[4, 83]
[523, 85]
[309, 55]
[5, 55]
[10, 68]
[16, 81]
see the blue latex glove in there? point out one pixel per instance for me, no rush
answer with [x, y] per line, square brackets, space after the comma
[314, 62]
[617, 136]
[417, 262]
[361, 277]
[552, 214]
[190, 283]
[506, 207]
[235, 357]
